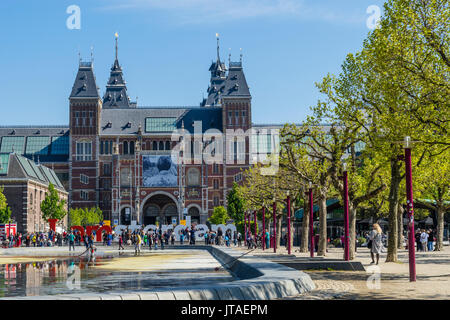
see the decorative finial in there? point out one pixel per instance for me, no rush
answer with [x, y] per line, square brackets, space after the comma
[218, 47]
[116, 35]
[241, 55]
[92, 53]
[229, 56]
[79, 56]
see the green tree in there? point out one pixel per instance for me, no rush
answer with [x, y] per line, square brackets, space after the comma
[52, 206]
[85, 216]
[219, 216]
[5, 210]
[235, 204]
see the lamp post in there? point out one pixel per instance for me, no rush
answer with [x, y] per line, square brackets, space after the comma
[410, 208]
[288, 204]
[346, 227]
[311, 221]
[264, 227]
[274, 226]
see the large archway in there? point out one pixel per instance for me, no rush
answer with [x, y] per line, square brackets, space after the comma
[159, 208]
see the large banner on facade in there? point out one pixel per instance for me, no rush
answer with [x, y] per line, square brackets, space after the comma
[159, 171]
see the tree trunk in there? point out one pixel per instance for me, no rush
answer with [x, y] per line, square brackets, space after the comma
[440, 228]
[305, 228]
[352, 230]
[400, 211]
[393, 206]
[322, 248]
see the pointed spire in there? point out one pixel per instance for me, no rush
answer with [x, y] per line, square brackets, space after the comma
[116, 35]
[218, 48]
[241, 56]
[116, 91]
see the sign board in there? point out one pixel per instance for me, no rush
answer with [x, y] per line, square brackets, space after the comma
[183, 222]
[174, 220]
[116, 221]
[185, 211]
[230, 221]
[7, 229]
[107, 222]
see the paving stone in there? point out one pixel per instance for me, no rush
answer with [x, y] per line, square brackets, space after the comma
[148, 295]
[196, 295]
[165, 295]
[181, 295]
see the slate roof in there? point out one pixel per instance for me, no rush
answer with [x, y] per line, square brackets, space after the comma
[85, 85]
[226, 84]
[115, 121]
[20, 167]
[116, 95]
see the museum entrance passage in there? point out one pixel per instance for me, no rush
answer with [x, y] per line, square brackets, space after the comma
[160, 208]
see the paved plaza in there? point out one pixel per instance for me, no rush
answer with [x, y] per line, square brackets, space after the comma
[433, 276]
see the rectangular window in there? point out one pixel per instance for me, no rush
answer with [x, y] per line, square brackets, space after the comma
[216, 168]
[84, 195]
[84, 151]
[216, 184]
[230, 118]
[106, 169]
[106, 184]
[216, 201]
[238, 177]
[160, 124]
[84, 179]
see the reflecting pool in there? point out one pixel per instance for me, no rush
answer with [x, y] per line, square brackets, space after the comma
[109, 272]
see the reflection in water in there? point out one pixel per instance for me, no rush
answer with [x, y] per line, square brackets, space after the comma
[62, 276]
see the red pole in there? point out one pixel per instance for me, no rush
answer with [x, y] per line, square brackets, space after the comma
[311, 223]
[245, 229]
[274, 227]
[288, 203]
[264, 228]
[409, 203]
[346, 235]
[255, 221]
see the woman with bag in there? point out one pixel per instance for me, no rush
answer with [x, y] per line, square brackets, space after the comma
[375, 242]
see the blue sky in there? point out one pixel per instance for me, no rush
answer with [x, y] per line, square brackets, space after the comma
[166, 47]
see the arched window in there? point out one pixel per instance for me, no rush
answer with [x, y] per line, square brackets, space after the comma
[131, 147]
[161, 145]
[125, 147]
[155, 145]
[167, 145]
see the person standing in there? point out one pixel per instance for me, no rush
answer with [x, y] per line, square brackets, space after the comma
[137, 246]
[267, 238]
[430, 240]
[377, 242]
[424, 240]
[71, 241]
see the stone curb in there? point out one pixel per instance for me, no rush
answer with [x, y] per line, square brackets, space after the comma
[258, 279]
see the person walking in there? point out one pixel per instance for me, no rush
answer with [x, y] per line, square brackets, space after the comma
[377, 243]
[121, 243]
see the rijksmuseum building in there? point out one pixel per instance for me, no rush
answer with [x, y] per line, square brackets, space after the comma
[117, 155]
